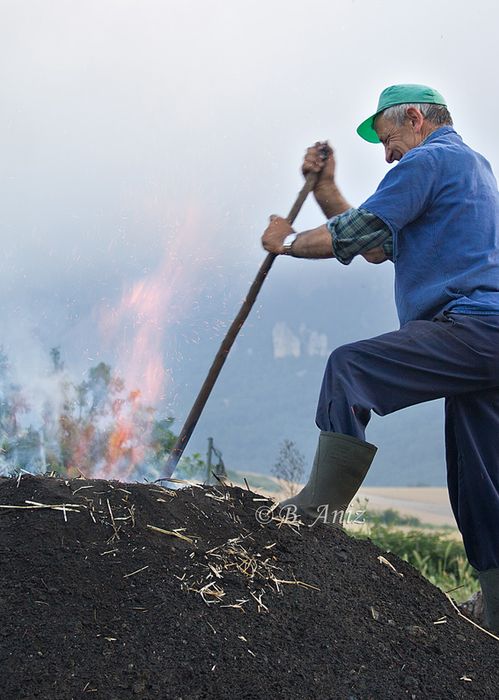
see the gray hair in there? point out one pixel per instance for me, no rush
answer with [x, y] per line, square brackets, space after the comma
[436, 114]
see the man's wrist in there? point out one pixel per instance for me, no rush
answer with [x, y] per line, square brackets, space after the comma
[287, 244]
[325, 187]
[330, 199]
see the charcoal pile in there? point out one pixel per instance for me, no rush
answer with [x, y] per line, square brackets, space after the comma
[121, 591]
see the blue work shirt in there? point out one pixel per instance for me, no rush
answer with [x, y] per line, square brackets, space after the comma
[441, 204]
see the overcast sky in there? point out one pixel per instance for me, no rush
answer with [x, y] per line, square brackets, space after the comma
[151, 139]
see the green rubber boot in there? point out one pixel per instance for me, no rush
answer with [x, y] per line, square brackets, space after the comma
[340, 466]
[489, 581]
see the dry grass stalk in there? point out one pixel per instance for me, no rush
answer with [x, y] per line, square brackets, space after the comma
[113, 523]
[173, 480]
[216, 570]
[55, 506]
[110, 511]
[384, 561]
[210, 589]
[172, 533]
[212, 628]
[131, 510]
[233, 557]
[136, 572]
[219, 497]
[238, 606]
[81, 487]
[293, 523]
[482, 629]
[441, 620]
[31, 505]
[302, 584]
[260, 603]
[162, 490]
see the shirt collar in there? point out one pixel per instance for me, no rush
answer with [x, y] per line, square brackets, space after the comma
[442, 131]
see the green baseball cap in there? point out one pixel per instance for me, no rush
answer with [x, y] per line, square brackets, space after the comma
[399, 95]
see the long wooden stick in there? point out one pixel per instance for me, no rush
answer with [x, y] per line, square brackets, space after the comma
[229, 339]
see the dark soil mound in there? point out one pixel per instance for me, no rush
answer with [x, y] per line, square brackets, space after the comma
[135, 591]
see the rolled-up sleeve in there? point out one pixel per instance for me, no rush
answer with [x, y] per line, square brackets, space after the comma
[356, 231]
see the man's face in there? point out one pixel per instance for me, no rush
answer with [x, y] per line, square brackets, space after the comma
[397, 140]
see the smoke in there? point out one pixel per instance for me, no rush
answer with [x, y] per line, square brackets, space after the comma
[103, 420]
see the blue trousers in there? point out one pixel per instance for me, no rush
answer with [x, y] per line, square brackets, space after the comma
[455, 357]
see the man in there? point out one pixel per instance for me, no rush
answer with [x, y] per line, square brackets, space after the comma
[436, 216]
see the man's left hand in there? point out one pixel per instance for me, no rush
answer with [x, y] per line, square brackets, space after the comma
[275, 233]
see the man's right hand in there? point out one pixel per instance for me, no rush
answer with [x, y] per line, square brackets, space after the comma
[315, 162]
[375, 255]
[326, 192]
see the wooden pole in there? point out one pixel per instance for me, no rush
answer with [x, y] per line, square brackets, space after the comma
[229, 339]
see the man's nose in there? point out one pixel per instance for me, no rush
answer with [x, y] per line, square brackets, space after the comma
[388, 154]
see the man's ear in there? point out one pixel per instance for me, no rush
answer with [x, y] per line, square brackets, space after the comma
[416, 118]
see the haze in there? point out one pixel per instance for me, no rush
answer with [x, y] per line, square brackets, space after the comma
[131, 131]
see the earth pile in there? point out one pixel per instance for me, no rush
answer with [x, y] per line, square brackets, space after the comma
[119, 591]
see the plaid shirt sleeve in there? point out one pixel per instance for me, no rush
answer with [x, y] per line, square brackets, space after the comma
[356, 231]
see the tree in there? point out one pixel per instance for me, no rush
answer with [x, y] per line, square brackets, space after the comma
[13, 403]
[289, 468]
[162, 438]
[57, 363]
[97, 426]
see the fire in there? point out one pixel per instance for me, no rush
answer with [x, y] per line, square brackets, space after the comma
[107, 423]
[121, 455]
[141, 319]
[136, 330]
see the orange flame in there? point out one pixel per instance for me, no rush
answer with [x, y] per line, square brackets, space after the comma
[137, 329]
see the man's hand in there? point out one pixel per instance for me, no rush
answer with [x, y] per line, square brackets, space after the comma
[375, 255]
[319, 158]
[275, 233]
